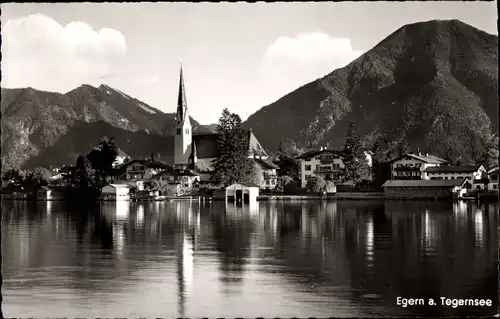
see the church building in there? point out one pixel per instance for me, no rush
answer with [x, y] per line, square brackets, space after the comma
[198, 152]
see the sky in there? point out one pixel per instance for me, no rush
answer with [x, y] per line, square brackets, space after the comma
[240, 56]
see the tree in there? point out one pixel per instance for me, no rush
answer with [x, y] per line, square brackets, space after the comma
[383, 152]
[316, 184]
[13, 178]
[233, 164]
[489, 158]
[354, 158]
[282, 183]
[83, 174]
[36, 178]
[101, 159]
[287, 152]
[403, 147]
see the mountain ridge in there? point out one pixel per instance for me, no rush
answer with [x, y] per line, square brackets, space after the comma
[441, 69]
[34, 120]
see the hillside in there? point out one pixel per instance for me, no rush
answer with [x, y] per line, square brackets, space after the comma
[49, 128]
[432, 83]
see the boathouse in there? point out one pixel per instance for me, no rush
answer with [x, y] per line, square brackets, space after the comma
[242, 193]
[116, 192]
[51, 193]
[425, 189]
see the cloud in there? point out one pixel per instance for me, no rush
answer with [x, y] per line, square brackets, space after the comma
[39, 52]
[289, 63]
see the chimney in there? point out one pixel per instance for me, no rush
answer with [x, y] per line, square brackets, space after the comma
[426, 154]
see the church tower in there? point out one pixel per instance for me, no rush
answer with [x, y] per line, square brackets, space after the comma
[183, 141]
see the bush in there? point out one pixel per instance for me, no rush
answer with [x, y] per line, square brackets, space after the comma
[283, 182]
[316, 184]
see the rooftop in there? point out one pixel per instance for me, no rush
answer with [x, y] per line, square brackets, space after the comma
[425, 183]
[452, 169]
[426, 158]
[311, 154]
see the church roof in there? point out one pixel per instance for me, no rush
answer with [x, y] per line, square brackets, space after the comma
[266, 163]
[181, 100]
[206, 145]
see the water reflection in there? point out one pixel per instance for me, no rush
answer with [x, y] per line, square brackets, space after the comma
[282, 259]
[369, 240]
[478, 227]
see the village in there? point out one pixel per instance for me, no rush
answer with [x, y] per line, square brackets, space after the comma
[318, 174]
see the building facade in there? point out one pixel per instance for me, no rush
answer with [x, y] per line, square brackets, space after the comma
[325, 163]
[424, 189]
[493, 179]
[183, 138]
[413, 166]
[469, 173]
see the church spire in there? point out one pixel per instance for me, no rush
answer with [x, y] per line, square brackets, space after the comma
[181, 100]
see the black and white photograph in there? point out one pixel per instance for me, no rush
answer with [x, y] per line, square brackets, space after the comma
[250, 160]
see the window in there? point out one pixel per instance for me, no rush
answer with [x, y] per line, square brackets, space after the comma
[308, 167]
[495, 186]
[179, 131]
[186, 131]
[494, 177]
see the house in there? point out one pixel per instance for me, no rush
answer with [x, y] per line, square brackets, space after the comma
[51, 193]
[116, 192]
[198, 152]
[134, 186]
[325, 163]
[242, 193]
[139, 169]
[412, 166]
[424, 189]
[493, 179]
[120, 158]
[268, 177]
[471, 173]
[177, 182]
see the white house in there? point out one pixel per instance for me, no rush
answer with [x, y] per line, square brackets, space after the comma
[325, 163]
[116, 192]
[469, 173]
[177, 182]
[242, 193]
[493, 179]
[135, 170]
[412, 166]
[268, 177]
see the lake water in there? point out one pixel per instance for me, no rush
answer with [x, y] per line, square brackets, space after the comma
[342, 259]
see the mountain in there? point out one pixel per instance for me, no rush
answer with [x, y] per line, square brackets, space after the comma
[433, 84]
[46, 128]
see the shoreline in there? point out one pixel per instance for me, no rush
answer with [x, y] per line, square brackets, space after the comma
[285, 198]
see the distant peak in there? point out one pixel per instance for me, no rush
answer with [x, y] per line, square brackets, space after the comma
[86, 86]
